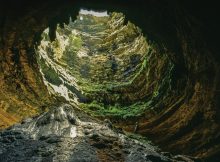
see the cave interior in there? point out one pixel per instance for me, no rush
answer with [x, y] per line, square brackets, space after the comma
[151, 68]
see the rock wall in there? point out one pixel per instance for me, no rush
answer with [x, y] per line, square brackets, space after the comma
[184, 120]
[59, 135]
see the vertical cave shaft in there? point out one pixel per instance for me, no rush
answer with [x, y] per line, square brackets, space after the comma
[158, 68]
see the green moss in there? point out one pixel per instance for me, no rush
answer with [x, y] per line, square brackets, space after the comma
[75, 42]
[117, 110]
[103, 42]
[50, 74]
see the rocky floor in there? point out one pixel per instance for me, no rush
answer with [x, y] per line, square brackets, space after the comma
[59, 135]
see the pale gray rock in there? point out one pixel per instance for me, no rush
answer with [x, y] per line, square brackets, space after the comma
[60, 136]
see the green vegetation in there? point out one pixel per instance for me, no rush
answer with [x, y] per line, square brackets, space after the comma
[113, 64]
[75, 43]
[117, 110]
[50, 74]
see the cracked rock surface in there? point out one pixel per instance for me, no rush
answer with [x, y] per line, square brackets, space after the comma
[60, 135]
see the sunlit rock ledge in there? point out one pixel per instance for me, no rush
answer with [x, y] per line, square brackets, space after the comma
[104, 65]
[180, 107]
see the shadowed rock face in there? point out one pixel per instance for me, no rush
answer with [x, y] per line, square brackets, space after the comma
[59, 135]
[105, 66]
[185, 115]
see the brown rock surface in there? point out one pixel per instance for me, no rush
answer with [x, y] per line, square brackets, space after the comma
[189, 121]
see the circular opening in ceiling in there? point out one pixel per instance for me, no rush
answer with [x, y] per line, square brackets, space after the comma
[104, 65]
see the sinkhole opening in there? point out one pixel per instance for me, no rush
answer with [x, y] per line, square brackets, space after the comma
[105, 66]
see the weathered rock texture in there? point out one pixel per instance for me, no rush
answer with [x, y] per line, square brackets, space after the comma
[185, 119]
[59, 135]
